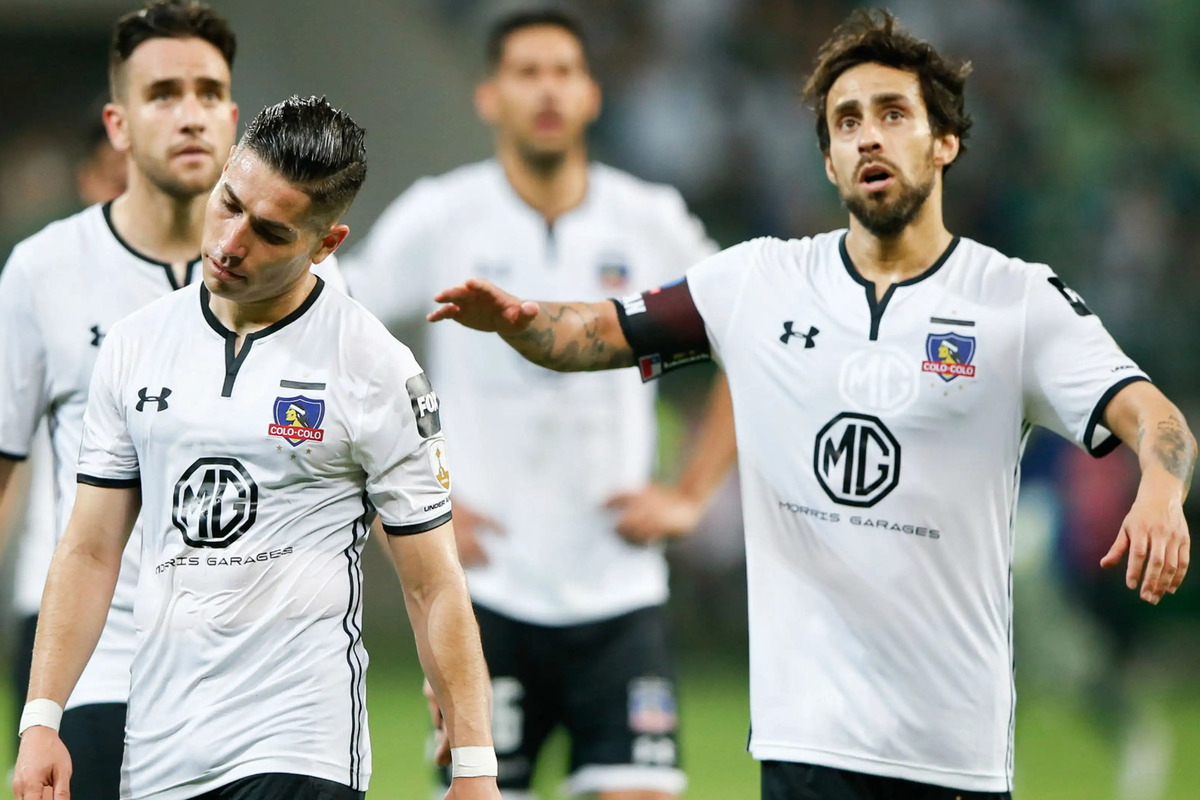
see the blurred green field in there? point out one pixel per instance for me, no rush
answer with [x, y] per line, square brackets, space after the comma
[1061, 754]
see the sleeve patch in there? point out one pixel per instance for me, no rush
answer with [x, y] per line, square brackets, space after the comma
[424, 405]
[1071, 296]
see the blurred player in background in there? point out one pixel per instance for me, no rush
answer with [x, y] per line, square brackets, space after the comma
[571, 614]
[249, 681]
[100, 175]
[173, 120]
[879, 464]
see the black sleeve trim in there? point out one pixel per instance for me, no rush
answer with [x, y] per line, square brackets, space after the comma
[108, 483]
[13, 456]
[419, 527]
[1112, 442]
[664, 329]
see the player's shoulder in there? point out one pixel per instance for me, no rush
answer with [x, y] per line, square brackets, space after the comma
[373, 342]
[770, 253]
[467, 180]
[990, 273]
[146, 323]
[635, 196]
[44, 255]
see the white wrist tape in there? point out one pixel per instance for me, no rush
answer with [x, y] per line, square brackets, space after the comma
[41, 712]
[473, 762]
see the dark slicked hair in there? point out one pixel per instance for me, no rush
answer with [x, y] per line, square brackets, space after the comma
[315, 146]
[509, 24]
[167, 19]
[874, 37]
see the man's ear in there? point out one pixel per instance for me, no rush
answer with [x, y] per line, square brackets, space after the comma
[829, 173]
[486, 102]
[945, 149]
[332, 239]
[114, 124]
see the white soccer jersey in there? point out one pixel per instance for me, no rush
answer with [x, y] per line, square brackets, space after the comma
[60, 293]
[35, 546]
[879, 446]
[537, 451]
[258, 474]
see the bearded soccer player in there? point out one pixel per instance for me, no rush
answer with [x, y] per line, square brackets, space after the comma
[173, 120]
[249, 677]
[572, 614]
[880, 603]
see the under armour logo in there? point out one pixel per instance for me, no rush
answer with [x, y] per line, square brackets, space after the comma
[97, 335]
[788, 333]
[161, 400]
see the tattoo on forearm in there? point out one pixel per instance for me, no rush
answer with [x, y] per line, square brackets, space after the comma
[568, 337]
[1174, 447]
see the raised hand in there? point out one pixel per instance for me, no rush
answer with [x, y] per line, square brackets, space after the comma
[482, 305]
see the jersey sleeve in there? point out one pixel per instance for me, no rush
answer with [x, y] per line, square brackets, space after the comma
[399, 444]
[1071, 366]
[106, 453]
[717, 286]
[392, 272]
[23, 392]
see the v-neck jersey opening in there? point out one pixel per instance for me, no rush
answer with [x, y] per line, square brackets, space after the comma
[235, 358]
[166, 266]
[876, 304]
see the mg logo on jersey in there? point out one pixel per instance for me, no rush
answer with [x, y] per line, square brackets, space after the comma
[298, 419]
[216, 501]
[856, 459]
[949, 355]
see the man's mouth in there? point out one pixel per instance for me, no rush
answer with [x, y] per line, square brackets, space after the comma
[548, 121]
[875, 177]
[191, 150]
[223, 273]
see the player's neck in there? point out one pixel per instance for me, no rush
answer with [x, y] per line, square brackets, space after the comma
[888, 260]
[245, 318]
[157, 225]
[551, 192]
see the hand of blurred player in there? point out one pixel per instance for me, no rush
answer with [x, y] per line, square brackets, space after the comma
[481, 305]
[1155, 535]
[655, 512]
[42, 764]
[473, 789]
[468, 529]
[441, 742]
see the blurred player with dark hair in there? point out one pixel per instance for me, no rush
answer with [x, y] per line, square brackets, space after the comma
[571, 613]
[884, 379]
[172, 120]
[249, 680]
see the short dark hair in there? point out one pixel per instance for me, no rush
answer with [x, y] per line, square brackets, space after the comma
[167, 19]
[531, 18]
[874, 37]
[315, 146]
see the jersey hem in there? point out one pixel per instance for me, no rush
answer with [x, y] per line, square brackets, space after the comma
[417, 527]
[951, 779]
[108, 483]
[1113, 441]
[13, 456]
[261, 766]
[526, 618]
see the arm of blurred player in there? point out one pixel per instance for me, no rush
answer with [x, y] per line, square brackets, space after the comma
[79, 590]
[658, 511]
[7, 467]
[1155, 532]
[567, 337]
[447, 636]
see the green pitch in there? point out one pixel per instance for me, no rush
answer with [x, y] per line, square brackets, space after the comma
[1061, 754]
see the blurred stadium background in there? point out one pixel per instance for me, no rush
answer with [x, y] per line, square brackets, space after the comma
[1085, 154]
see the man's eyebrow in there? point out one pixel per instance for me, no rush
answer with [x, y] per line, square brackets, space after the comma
[163, 84]
[846, 106]
[889, 98]
[277, 228]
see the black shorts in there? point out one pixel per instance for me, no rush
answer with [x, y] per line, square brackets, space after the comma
[282, 786]
[609, 683]
[784, 780]
[95, 738]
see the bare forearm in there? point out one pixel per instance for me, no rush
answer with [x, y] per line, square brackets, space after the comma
[79, 590]
[1164, 443]
[574, 337]
[448, 645]
[715, 449]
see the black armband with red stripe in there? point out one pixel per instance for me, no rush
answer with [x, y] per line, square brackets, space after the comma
[664, 329]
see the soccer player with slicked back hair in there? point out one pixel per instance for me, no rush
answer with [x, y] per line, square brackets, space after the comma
[570, 600]
[258, 422]
[885, 378]
[171, 116]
